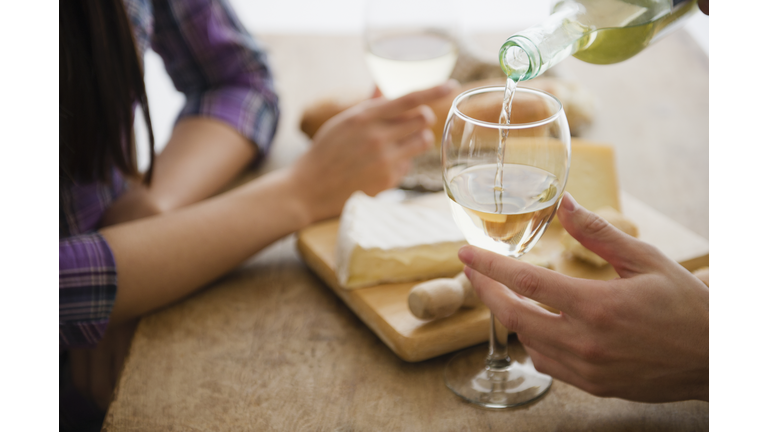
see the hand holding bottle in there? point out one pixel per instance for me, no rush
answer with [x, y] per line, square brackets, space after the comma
[642, 337]
[595, 31]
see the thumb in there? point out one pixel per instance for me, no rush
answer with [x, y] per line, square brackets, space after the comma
[376, 93]
[625, 253]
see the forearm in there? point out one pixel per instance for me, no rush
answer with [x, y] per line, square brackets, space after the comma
[164, 258]
[202, 156]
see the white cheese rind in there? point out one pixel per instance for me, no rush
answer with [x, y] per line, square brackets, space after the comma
[382, 242]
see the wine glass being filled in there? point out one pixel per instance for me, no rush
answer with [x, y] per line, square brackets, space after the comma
[505, 176]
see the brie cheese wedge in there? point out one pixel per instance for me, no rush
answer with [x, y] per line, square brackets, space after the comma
[385, 242]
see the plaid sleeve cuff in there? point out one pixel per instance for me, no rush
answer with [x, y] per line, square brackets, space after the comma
[250, 111]
[87, 289]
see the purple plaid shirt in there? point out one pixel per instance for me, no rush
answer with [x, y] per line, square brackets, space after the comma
[223, 73]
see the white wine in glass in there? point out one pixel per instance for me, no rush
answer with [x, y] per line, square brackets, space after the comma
[410, 45]
[511, 223]
[505, 179]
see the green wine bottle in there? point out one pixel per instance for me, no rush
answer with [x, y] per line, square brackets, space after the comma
[595, 31]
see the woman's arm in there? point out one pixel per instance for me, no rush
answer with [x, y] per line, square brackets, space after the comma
[230, 113]
[202, 156]
[164, 258]
[221, 69]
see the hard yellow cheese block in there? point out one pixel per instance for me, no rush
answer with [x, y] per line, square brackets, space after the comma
[592, 179]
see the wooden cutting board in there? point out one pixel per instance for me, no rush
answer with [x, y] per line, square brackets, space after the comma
[384, 308]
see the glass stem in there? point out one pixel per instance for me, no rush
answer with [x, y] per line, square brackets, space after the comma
[498, 357]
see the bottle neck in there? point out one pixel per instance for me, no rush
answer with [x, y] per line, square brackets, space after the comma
[529, 53]
[520, 58]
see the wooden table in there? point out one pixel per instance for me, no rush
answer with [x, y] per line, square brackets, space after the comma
[270, 347]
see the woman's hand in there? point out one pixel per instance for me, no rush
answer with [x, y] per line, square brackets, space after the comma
[367, 147]
[643, 336]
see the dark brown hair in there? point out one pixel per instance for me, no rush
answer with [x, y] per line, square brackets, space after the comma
[100, 80]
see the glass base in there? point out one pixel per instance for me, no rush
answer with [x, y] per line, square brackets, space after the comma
[468, 376]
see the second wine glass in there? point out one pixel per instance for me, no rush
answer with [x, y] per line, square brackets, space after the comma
[410, 45]
[505, 183]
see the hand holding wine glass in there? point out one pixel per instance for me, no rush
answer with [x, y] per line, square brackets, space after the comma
[642, 337]
[367, 147]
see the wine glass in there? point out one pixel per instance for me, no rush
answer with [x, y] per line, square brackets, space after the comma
[504, 183]
[410, 45]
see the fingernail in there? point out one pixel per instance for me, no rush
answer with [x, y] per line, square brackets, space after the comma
[466, 255]
[568, 203]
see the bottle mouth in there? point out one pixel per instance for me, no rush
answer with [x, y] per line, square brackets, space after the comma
[520, 58]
